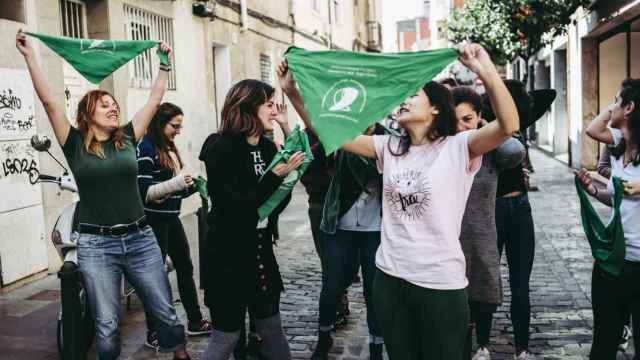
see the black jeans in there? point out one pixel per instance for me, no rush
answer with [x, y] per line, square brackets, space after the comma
[612, 299]
[345, 251]
[516, 235]
[315, 217]
[173, 242]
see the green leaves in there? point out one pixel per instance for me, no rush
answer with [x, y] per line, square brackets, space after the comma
[509, 29]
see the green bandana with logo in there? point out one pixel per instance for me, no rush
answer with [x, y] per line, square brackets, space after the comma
[607, 242]
[96, 59]
[345, 92]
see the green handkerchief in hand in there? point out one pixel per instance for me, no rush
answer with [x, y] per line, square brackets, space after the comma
[296, 141]
[96, 59]
[607, 242]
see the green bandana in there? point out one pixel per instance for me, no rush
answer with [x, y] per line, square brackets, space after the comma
[201, 187]
[607, 242]
[345, 92]
[97, 59]
[296, 141]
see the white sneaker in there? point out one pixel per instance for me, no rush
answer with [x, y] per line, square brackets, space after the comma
[624, 340]
[482, 354]
[525, 355]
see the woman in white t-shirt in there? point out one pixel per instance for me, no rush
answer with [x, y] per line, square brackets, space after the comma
[419, 291]
[612, 298]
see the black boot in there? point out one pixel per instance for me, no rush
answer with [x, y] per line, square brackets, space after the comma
[323, 346]
[375, 351]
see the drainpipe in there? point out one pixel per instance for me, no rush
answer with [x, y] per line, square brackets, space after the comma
[243, 15]
[330, 24]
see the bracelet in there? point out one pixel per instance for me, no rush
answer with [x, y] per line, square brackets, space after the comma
[165, 67]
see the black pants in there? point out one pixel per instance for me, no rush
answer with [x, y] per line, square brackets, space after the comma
[315, 217]
[516, 236]
[481, 320]
[264, 305]
[173, 242]
[419, 323]
[612, 299]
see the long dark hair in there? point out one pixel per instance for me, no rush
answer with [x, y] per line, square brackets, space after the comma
[240, 110]
[630, 92]
[164, 146]
[444, 123]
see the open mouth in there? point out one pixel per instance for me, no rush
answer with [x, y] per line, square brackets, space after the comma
[402, 111]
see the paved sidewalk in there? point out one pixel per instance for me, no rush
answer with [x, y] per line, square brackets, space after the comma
[561, 309]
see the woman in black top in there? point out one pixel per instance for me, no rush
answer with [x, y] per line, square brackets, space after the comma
[242, 271]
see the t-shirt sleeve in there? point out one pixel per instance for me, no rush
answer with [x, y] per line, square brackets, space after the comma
[462, 144]
[380, 143]
[71, 144]
[617, 135]
[130, 132]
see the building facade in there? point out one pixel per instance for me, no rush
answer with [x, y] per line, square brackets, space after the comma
[216, 43]
[586, 68]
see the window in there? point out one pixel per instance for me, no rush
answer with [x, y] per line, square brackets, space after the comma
[265, 69]
[144, 25]
[72, 15]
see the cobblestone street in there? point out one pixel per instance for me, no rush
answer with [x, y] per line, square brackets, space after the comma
[561, 309]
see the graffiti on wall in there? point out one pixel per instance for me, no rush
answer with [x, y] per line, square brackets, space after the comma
[16, 105]
[19, 160]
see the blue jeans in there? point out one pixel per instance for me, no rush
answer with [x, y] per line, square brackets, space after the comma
[102, 261]
[344, 252]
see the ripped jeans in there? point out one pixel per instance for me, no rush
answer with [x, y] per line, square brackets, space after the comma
[103, 260]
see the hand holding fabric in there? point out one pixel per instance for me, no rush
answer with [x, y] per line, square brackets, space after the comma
[23, 45]
[284, 168]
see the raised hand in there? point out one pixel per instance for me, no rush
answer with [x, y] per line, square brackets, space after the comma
[281, 114]
[23, 45]
[165, 48]
[476, 58]
[286, 80]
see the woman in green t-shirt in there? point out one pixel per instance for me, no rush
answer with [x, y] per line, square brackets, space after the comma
[113, 236]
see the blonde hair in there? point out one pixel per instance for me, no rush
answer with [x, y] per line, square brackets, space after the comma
[86, 108]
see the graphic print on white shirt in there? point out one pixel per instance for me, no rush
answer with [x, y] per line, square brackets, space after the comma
[408, 194]
[258, 164]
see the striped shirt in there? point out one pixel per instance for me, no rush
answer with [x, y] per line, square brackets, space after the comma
[151, 172]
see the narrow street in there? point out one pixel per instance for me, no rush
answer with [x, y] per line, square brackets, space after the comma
[561, 309]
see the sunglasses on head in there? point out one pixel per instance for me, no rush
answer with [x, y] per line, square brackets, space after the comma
[176, 126]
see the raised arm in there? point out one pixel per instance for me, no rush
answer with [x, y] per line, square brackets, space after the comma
[598, 129]
[361, 145]
[143, 117]
[55, 113]
[491, 136]
[289, 88]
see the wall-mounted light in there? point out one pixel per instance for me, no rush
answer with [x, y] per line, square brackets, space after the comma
[202, 9]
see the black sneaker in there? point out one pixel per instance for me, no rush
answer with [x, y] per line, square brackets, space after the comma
[325, 342]
[375, 351]
[253, 346]
[152, 341]
[201, 327]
